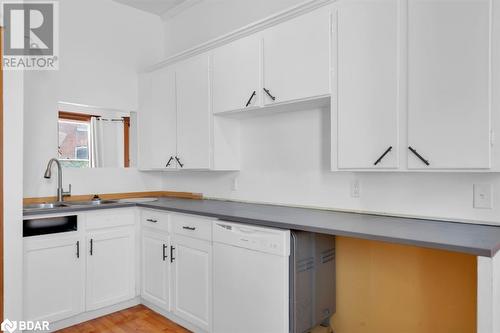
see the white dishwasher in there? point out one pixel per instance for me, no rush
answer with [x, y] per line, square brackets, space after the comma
[251, 279]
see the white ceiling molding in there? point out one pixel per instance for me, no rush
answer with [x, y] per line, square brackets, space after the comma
[158, 7]
[252, 28]
[179, 9]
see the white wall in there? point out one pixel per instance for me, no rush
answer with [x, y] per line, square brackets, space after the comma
[13, 193]
[103, 45]
[285, 157]
[212, 18]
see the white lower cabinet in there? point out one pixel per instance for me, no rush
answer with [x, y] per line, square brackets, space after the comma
[53, 277]
[110, 267]
[192, 271]
[155, 268]
[176, 268]
[95, 266]
[66, 274]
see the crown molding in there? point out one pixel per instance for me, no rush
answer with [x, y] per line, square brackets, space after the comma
[172, 12]
[247, 30]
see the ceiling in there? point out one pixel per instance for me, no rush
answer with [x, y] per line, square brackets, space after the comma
[157, 7]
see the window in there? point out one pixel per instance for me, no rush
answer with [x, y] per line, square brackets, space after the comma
[74, 140]
[85, 143]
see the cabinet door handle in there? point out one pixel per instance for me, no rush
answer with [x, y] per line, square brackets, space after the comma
[426, 162]
[169, 161]
[164, 252]
[189, 228]
[152, 221]
[269, 94]
[91, 247]
[382, 156]
[250, 99]
[172, 254]
[78, 249]
[179, 161]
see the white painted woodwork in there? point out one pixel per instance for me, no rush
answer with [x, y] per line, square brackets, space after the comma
[155, 268]
[53, 277]
[109, 218]
[193, 113]
[449, 83]
[365, 100]
[192, 226]
[153, 219]
[236, 74]
[157, 119]
[110, 267]
[488, 294]
[192, 283]
[296, 57]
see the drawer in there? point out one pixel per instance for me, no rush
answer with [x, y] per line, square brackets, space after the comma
[109, 218]
[155, 219]
[192, 226]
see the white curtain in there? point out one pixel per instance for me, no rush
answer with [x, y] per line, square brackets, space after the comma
[95, 139]
[107, 143]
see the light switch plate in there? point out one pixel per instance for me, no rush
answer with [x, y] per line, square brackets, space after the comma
[355, 189]
[234, 185]
[483, 196]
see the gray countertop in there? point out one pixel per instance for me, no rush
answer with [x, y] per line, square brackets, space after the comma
[475, 239]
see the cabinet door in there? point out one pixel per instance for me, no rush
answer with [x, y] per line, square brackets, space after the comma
[236, 75]
[110, 267]
[366, 103]
[53, 278]
[297, 58]
[157, 120]
[193, 113]
[193, 280]
[449, 84]
[156, 269]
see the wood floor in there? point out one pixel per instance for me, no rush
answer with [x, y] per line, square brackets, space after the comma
[138, 319]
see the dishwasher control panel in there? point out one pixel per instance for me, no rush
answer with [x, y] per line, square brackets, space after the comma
[263, 239]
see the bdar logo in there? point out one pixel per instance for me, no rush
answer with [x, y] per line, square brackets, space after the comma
[8, 326]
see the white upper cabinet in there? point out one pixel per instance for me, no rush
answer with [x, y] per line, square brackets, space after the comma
[157, 120]
[236, 75]
[365, 99]
[193, 113]
[297, 58]
[449, 84]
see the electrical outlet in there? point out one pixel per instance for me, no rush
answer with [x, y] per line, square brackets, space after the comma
[235, 184]
[355, 189]
[483, 196]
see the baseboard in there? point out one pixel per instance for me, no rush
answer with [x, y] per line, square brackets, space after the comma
[172, 317]
[86, 316]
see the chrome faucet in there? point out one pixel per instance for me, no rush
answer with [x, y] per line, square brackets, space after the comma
[48, 173]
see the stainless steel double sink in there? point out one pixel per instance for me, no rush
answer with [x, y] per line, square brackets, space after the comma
[64, 204]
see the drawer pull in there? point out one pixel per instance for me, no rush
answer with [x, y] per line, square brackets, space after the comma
[169, 161]
[91, 247]
[251, 97]
[179, 162]
[78, 249]
[172, 254]
[189, 228]
[269, 94]
[426, 162]
[152, 221]
[164, 252]
[383, 155]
